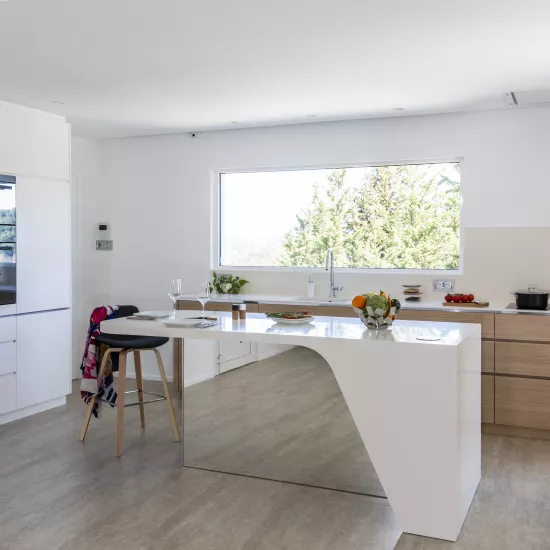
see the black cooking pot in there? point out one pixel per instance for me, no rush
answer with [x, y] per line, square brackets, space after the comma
[535, 299]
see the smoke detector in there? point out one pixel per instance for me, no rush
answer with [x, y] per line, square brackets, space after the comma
[528, 97]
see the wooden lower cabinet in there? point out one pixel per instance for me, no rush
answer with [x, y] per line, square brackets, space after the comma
[487, 399]
[530, 328]
[212, 306]
[522, 402]
[523, 359]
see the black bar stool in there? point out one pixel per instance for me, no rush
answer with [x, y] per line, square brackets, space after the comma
[123, 345]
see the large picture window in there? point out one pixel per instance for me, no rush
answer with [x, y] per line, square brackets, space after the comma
[381, 217]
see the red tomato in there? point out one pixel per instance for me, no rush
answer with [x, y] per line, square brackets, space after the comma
[449, 298]
[456, 298]
[464, 298]
[471, 297]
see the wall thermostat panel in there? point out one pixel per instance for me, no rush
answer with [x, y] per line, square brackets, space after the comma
[103, 231]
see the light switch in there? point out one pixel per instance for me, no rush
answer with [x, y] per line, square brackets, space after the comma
[104, 245]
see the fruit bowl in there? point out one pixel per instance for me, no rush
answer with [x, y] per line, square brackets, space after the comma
[377, 311]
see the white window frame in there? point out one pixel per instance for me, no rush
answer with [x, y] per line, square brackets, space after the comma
[216, 213]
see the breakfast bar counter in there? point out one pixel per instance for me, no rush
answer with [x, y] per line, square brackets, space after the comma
[413, 391]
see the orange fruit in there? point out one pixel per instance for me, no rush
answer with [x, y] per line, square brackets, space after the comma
[359, 302]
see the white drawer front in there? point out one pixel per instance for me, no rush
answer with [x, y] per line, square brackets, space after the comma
[43, 357]
[7, 393]
[8, 329]
[8, 358]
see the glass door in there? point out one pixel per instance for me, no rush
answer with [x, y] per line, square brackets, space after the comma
[7, 240]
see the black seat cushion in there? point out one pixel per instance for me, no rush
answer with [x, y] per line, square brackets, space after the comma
[127, 341]
[135, 342]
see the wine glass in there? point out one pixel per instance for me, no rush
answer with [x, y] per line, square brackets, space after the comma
[203, 295]
[175, 293]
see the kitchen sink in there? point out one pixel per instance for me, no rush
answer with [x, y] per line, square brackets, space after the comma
[322, 301]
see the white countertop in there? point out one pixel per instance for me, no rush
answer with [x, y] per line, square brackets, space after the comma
[336, 328]
[342, 302]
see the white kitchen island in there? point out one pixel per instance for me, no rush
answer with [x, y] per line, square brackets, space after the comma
[414, 392]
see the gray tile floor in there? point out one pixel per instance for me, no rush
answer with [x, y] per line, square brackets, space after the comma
[56, 493]
[283, 418]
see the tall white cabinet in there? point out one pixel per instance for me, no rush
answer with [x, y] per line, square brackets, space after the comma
[43, 253]
[35, 333]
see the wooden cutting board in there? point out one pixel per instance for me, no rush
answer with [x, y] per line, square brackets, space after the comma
[467, 304]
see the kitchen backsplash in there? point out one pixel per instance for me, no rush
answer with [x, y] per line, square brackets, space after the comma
[496, 262]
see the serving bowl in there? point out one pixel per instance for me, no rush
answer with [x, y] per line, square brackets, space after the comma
[376, 311]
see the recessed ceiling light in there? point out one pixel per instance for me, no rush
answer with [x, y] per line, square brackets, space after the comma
[53, 102]
[398, 109]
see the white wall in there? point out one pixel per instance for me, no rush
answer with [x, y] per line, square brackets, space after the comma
[91, 270]
[159, 195]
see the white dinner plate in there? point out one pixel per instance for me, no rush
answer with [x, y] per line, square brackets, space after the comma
[293, 321]
[153, 314]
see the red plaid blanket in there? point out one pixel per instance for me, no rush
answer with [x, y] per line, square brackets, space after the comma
[90, 385]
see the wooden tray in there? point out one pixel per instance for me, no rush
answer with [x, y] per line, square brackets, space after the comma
[466, 304]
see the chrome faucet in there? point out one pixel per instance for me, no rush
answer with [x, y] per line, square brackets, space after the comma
[329, 266]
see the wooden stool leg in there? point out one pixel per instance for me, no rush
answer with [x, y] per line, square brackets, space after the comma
[91, 404]
[168, 398]
[139, 384]
[120, 400]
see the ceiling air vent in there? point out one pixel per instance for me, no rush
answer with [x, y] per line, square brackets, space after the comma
[530, 97]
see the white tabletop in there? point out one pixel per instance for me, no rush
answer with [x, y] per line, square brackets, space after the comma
[336, 328]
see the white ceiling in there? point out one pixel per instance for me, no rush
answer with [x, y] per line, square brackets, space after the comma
[134, 67]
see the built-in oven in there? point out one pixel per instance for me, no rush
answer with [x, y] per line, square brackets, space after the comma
[7, 240]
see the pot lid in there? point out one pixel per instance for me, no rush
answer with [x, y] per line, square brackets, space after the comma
[532, 292]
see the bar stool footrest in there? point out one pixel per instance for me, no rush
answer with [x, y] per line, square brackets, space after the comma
[159, 398]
